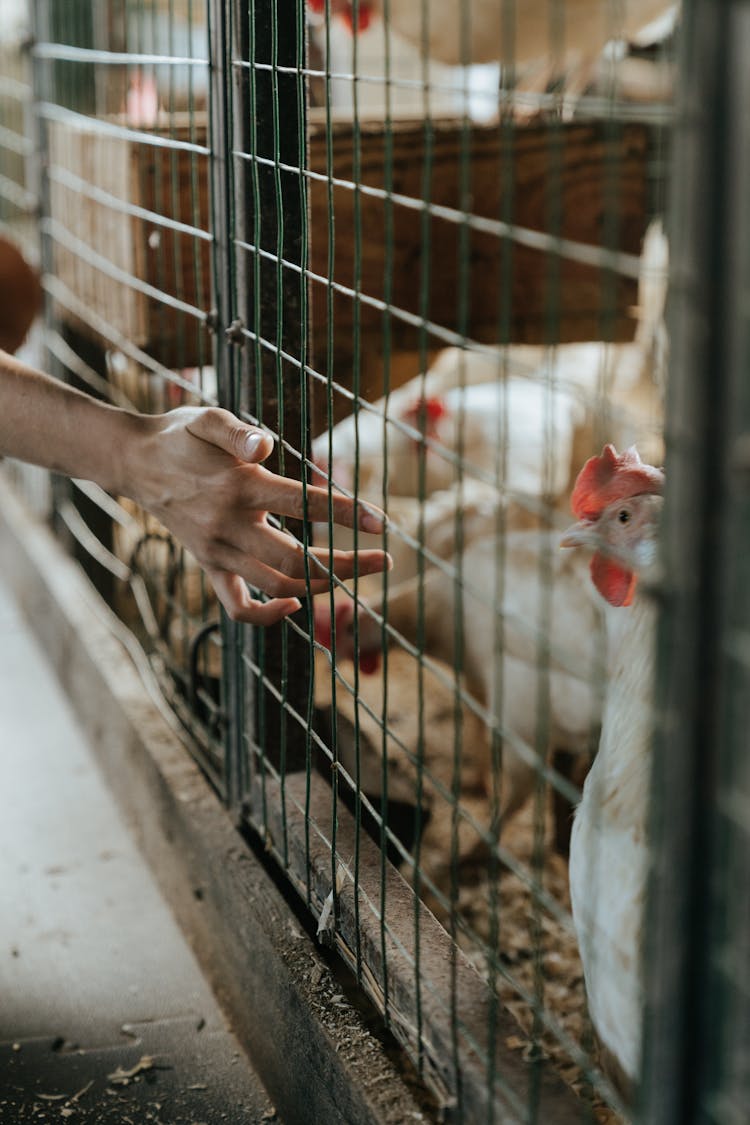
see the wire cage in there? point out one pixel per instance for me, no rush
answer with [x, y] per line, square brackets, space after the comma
[423, 246]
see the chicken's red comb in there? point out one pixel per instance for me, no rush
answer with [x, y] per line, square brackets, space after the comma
[322, 626]
[432, 408]
[364, 13]
[364, 17]
[343, 614]
[610, 477]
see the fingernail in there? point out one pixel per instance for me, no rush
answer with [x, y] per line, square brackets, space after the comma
[371, 521]
[253, 442]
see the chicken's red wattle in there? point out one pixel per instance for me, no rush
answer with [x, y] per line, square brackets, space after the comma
[614, 582]
[369, 662]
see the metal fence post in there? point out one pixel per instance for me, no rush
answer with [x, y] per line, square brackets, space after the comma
[694, 747]
[225, 358]
[270, 193]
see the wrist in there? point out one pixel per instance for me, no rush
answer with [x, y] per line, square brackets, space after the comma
[132, 453]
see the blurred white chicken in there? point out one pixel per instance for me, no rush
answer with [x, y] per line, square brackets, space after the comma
[529, 621]
[570, 34]
[618, 504]
[418, 744]
[430, 436]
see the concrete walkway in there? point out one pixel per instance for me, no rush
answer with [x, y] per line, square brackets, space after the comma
[104, 1013]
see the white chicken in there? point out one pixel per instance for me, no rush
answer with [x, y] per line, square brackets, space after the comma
[418, 744]
[527, 32]
[530, 623]
[618, 502]
[430, 437]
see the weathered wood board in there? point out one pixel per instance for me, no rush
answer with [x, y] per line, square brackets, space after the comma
[575, 180]
[586, 182]
[103, 251]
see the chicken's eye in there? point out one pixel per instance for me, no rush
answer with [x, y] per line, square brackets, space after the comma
[623, 515]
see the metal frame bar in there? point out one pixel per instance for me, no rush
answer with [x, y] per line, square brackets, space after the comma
[709, 252]
[269, 305]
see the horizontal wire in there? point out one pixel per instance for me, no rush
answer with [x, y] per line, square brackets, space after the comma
[60, 292]
[447, 336]
[63, 237]
[22, 199]
[59, 114]
[63, 176]
[15, 89]
[73, 362]
[107, 503]
[15, 142]
[63, 52]
[598, 106]
[626, 265]
[83, 535]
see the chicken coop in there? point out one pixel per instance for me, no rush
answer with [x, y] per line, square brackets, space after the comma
[484, 266]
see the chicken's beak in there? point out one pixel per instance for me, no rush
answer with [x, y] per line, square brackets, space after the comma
[581, 534]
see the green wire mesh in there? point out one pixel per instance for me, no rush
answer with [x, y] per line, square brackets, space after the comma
[429, 271]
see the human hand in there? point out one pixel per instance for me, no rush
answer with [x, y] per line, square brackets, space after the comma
[197, 469]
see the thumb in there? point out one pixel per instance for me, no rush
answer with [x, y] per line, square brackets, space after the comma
[224, 430]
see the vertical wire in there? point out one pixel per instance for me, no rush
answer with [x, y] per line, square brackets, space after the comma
[607, 319]
[220, 38]
[305, 416]
[463, 276]
[356, 387]
[330, 353]
[246, 739]
[180, 327]
[423, 312]
[280, 232]
[506, 172]
[387, 326]
[180, 323]
[545, 572]
[259, 635]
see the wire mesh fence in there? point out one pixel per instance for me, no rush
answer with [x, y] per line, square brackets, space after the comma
[423, 247]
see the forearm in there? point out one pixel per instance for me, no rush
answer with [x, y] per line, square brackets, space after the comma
[47, 423]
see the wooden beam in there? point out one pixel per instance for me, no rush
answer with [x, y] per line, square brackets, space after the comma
[568, 179]
[298, 829]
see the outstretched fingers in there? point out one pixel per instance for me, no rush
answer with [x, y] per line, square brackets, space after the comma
[345, 564]
[284, 553]
[233, 569]
[232, 592]
[286, 498]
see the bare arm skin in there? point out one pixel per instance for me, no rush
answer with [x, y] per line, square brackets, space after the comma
[197, 469]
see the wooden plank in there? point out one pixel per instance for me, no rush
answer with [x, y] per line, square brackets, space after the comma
[91, 234]
[584, 170]
[593, 175]
[444, 971]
